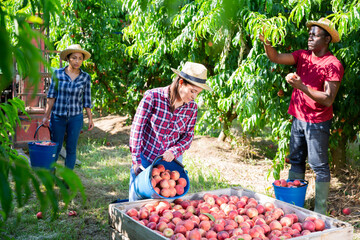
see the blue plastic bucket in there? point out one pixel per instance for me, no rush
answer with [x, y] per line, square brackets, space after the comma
[292, 195]
[42, 153]
[143, 185]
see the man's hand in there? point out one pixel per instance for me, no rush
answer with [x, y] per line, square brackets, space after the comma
[294, 80]
[168, 156]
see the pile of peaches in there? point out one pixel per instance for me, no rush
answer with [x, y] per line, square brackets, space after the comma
[167, 183]
[291, 184]
[223, 217]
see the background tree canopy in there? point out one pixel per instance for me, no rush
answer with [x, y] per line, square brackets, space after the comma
[135, 43]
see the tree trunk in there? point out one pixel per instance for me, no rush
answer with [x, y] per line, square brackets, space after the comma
[338, 155]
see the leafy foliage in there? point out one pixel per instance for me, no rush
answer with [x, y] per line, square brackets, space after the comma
[18, 180]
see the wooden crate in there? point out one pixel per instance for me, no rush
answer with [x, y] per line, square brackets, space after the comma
[124, 227]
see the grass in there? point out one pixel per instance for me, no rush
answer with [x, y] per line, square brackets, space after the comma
[105, 176]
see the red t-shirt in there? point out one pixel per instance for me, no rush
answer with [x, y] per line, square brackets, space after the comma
[314, 71]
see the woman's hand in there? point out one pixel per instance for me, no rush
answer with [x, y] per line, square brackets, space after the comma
[138, 168]
[91, 125]
[168, 156]
[45, 121]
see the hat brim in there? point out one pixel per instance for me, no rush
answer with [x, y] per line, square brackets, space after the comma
[203, 86]
[334, 34]
[66, 52]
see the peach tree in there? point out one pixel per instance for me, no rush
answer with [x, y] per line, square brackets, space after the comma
[248, 89]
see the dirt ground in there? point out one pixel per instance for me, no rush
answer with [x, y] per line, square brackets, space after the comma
[248, 167]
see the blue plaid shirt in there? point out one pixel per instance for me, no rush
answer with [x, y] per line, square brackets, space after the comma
[71, 97]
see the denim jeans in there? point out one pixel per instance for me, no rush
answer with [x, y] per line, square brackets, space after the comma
[133, 196]
[310, 140]
[59, 125]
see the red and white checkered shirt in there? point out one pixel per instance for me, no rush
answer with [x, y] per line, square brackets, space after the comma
[156, 129]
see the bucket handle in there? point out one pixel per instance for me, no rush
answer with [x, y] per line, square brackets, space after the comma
[37, 129]
[161, 156]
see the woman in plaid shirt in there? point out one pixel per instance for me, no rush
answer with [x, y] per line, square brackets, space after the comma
[165, 119]
[68, 95]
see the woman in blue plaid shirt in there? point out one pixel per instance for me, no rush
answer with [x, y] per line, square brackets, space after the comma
[164, 121]
[68, 95]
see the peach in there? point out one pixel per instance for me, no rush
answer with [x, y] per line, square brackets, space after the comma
[308, 225]
[277, 183]
[234, 199]
[151, 225]
[237, 232]
[239, 219]
[157, 190]
[260, 208]
[171, 225]
[319, 225]
[175, 175]
[157, 178]
[165, 175]
[297, 226]
[155, 171]
[206, 225]
[178, 214]
[275, 225]
[210, 200]
[164, 219]
[164, 183]
[172, 192]
[203, 217]
[244, 236]
[176, 220]
[168, 214]
[185, 203]
[305, 232]
[194, 235]
[179, 228]
[172, 183]
[165, 192]
[160, 167]
[132, 212]
[143, 213]
[269, 206]
[211, 234]
[218, 227]
[153, 182]
[168, 232]
[189, 225]
[179, 190]
[286, 221]
[154, 218]
[283, 183]
[297, 182]
[182, 182]
[252, 212]
[222, 235]
[346, 211]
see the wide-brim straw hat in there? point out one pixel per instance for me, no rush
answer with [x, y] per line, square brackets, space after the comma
[74, 48]
[195, 73]
[328, 26]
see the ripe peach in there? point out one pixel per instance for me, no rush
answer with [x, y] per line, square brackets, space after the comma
[283, 182]
[319, 225]
[160, 167]
[179, 228]
[297, 182]
[252, 212]
[151, 225]
[297, 226]
[210, 234]
[260, 208]
[182, 182]
[234, 199]
[203, 217]
[155, 171]
[168, 232]
[194, 235]
[165, 192]
[222, 235]
[286, 221]
[239, 219]
[210, 200]
[157, 178]
[172, 192]
[175, 175]
[237, 232]
[172, 183]
[305, 232]
[176, 220]
[185, 203]
[154, 218]
[310, 218]
[218, 227]
[165, 175]
[244, 236]
[143, 213]
[168, 214]
[164, 219]
[206, 225]
[346, 211]
[277, 183]
[157, 190]
[179, 190]
[269, 206]
[189, 225]
[132, 212]
[164, 183]
[275, 225]
[308, 225]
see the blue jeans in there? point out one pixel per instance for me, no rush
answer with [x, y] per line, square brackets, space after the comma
[310, 140]
[133, 196]
[59, 125]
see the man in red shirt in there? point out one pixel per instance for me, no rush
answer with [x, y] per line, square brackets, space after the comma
[316, 83]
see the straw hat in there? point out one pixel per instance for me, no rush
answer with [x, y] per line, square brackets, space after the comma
[328, 26]
[74, 48]
[195, 73]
